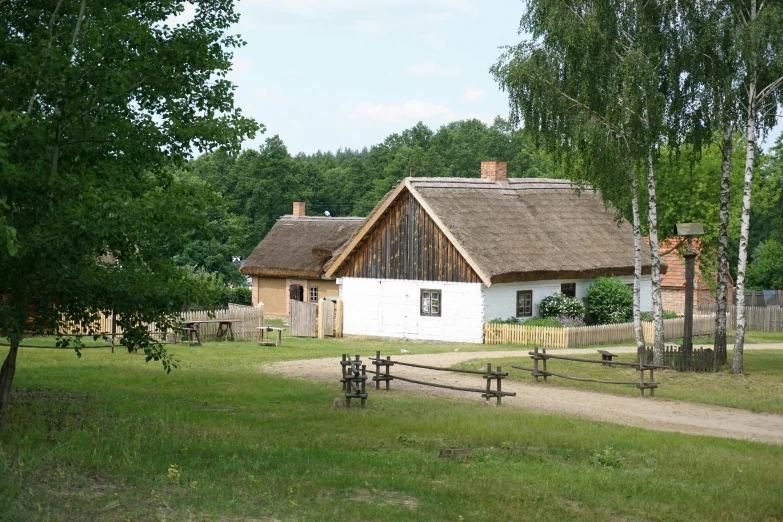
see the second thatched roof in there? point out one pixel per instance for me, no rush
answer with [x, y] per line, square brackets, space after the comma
[300, 246]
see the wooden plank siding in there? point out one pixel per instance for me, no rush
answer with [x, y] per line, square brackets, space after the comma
[406, 243]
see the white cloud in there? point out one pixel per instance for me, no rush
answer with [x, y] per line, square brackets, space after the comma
[411, 110]
[473, 94]
[432, 69]
[271, 96]
[435, 40]
[368, 27]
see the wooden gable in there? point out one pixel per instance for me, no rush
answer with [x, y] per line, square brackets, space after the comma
[406, 243]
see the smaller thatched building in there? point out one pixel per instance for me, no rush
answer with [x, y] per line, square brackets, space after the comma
[289, 262]
[439, 257]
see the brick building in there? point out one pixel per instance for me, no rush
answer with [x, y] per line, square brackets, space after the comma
[673, 281]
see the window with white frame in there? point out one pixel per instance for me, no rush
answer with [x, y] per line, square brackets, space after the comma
[313, 294]
[430, 302]
[525, 303]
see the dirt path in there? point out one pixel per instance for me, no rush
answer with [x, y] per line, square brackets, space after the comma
[656, 414]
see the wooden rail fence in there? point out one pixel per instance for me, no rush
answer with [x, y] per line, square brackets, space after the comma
[354, 379]
[641, 367]
[496, 333]
[384, 375]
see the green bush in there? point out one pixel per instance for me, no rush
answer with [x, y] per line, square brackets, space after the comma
[551, 322]
[667, 314]
[241, 295]
[510, 320]
[609, 301]
[558, 305]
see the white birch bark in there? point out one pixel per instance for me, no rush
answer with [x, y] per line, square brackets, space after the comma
[742, 265]
[655, 258]
[721, 296]
[637, 268]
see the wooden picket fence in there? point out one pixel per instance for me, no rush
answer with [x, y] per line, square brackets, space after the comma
[589, 335]
[759, 318]
[250, 317]
[700, 359]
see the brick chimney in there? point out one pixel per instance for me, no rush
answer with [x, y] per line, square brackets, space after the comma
[299, 209]
[494, 171]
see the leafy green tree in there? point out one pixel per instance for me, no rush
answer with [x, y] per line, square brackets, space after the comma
[109, 94]
[766, 270]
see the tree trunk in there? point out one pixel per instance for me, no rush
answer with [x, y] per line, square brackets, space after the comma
[742, 265]
[655, 258]
[6, 378]
[721, 297]
[637, 268]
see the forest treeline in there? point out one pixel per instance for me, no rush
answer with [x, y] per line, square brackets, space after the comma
[249, 191]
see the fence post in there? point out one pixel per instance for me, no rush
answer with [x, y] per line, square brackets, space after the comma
[320, 320]
[641, 375]
[338, 318]
[499, 378]
[377, 364]
[535, 363]
[388, 378]
[489, 381]
[544, 365]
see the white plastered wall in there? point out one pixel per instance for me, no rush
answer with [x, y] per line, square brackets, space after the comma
[500, 298]
[391, 308]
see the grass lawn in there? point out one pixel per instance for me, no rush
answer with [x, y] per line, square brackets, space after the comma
[760, 388]
[110, 437]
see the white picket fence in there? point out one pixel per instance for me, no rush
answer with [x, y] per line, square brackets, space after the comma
[249, 317]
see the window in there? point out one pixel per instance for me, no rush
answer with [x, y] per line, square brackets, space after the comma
[430, 302]
[525, 303]
[568, 289]
[313, 294]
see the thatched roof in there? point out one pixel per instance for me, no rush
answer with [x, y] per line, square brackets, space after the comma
[300, 246]
[524, 229]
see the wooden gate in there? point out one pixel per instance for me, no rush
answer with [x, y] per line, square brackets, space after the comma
[326, 323]
[302, 320]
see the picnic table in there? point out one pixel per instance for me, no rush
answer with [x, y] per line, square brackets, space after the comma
[225, 328]
[269, 329]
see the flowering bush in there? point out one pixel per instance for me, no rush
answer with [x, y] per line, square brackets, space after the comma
[571, 322]
[558, 305]
[609, 301]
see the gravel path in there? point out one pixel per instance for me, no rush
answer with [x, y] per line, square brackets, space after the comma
[656, 414]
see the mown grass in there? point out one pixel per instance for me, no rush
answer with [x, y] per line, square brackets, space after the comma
[109, 437]
[760, 388]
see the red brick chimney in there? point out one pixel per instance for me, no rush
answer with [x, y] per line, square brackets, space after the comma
[299, 209]
[494, 171]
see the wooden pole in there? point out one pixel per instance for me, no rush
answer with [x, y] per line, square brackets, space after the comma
[377, 364]
[388, 364]
[500, 394]
[489, 382]
[338, 319]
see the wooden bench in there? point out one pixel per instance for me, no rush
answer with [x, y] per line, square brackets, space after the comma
[606, 356]
[262, 329]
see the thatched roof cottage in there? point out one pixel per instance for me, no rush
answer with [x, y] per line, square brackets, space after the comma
[289, 262]
[439, 257]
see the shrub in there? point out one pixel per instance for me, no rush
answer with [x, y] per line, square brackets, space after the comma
[667, 314]
[510, 320]
[550, 322]
[558, 305]
[609, 301]
[571, 322]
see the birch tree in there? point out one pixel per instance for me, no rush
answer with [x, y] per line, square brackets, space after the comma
[594, 66]
[759, 44]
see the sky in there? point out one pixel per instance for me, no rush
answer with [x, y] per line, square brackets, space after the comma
[325, 74]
